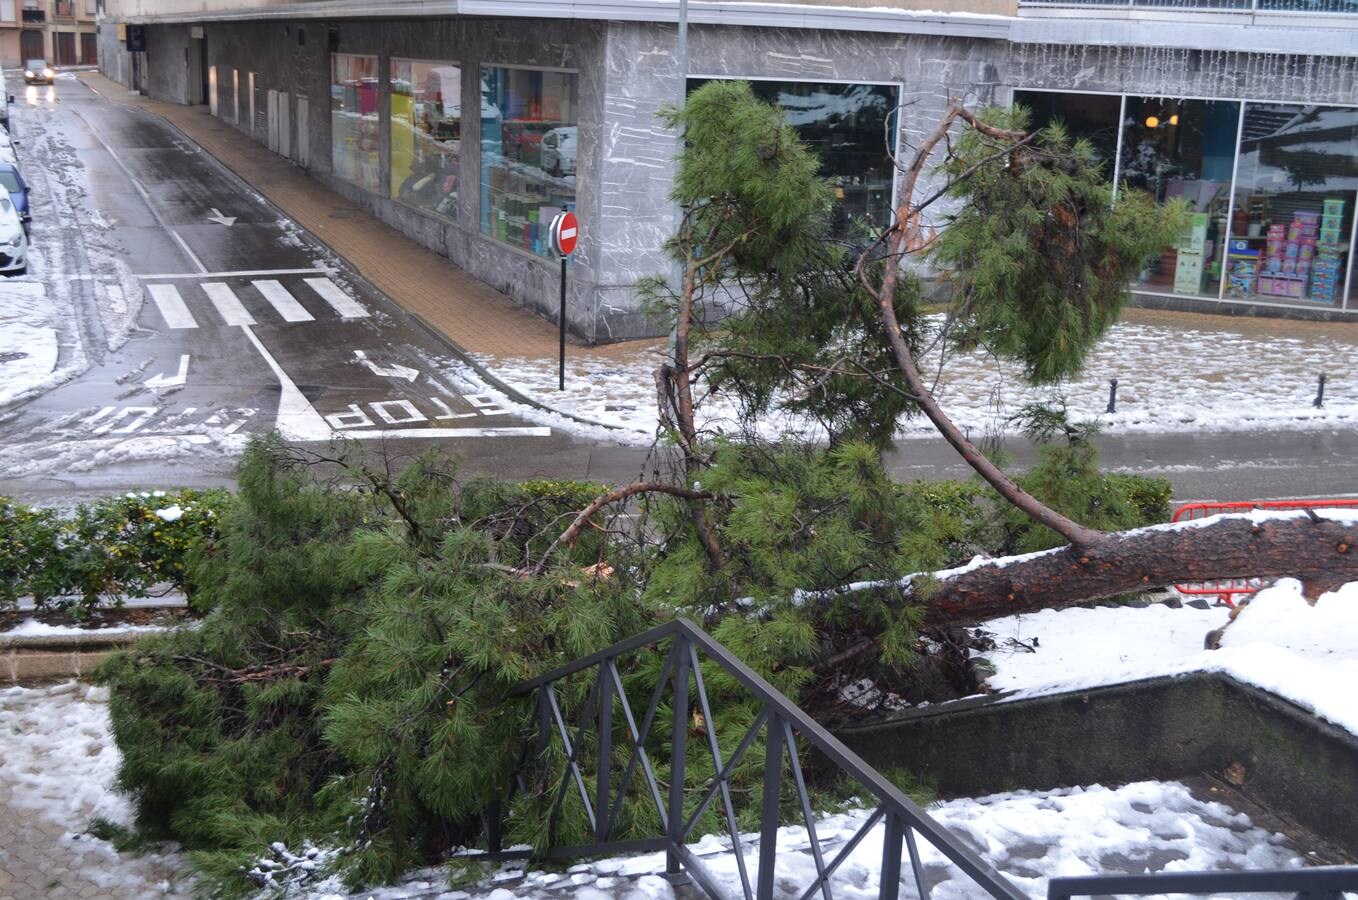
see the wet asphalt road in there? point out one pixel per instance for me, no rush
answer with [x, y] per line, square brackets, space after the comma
[247, 324]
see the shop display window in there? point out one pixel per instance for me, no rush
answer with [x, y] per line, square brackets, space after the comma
[848, 127]
[1291, 227]
[528, 153]
[1183, 149]
[1092, 117]
[354, 124]
[426, 135]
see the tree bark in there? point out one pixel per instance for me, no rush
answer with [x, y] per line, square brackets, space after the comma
[1320, 551]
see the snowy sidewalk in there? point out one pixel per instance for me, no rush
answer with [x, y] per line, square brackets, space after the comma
[1176, 373]
[57, 764]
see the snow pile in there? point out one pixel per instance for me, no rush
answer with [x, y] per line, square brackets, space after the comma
[34, 628]
[29, 347]
[1279, 642]
[1030, 836]
[1170, 379]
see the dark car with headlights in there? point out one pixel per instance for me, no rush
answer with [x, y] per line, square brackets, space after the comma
[37, 71]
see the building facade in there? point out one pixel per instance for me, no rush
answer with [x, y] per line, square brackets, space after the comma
[467, 124]
[62, 32]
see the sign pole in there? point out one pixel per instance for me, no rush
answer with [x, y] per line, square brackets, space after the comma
[561, 359]
[562, 236]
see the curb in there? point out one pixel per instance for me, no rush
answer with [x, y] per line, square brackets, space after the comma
[456, 349]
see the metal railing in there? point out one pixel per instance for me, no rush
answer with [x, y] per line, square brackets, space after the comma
[1321, 883]
[780, 721]
[1322, 7]
[1226, 591]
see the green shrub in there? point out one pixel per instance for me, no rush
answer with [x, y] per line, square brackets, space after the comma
[105, 550]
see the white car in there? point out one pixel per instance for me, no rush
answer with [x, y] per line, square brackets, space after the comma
[13, 242]
[558, 151]
[7, 152]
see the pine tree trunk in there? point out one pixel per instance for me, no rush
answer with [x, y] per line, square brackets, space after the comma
[1320, 551]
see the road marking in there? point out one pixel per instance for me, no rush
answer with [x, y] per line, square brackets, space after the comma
[228, 305]
[411, 414]
[526, 431]
[297, 419]
[285, 303]
[145, 196]
[171, 306]
[179, 378]
[342, 303]
[392, 371]
[243, 273]
[221, 219]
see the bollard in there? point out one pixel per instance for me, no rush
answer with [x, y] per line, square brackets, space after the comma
[1320, 392]
[1112, 395]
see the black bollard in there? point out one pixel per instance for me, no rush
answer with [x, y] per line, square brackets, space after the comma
[1112, 395]
[1320, 392]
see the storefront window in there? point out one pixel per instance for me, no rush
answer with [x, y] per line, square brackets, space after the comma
[1092, 117]
[528, 153]
[353, 120]
[426, 135]
[1184, 149]
[847, 126]
[1292, 225]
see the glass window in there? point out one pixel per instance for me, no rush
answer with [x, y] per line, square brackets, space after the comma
[528, 153]
[1184, 149]
[426, 135]
[353, 120]
[1093, 117]
[1292, 225]
[9, 182]
[847, 126]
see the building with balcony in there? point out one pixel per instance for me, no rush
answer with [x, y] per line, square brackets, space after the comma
[59, 31]
[1246, 109]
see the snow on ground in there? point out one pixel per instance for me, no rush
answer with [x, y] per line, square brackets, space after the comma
[34, 628]
[1030, 836]
[1169, 379]
[58, 765]
[29, 343]
[1279, 642]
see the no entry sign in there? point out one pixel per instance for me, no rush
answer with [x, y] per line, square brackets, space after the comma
[564, 233]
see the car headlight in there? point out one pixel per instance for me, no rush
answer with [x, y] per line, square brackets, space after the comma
[48, 73]
[14, 239]
[27, 73]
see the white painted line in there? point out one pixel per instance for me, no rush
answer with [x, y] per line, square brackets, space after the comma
[172, 306]
[244, 273]
[297, 418]
[188, 251]
[232, 311]
[527, 431]
[285, 303]
[342, 303]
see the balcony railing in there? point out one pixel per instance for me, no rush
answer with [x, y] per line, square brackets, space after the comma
[65, 9]
[1323, 7]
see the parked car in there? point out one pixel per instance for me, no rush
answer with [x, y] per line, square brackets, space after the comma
[13, 241]
[37, 71]
[558, 151]
[8, 154]
[12, 180]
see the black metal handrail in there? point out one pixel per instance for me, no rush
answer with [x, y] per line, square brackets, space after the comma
[781, 720]
[1319, 883]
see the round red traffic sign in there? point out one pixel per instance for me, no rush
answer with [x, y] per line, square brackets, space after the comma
[565, 232]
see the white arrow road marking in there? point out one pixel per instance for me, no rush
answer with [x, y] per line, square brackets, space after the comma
[163, 380]
[392, 371]
[221, 219]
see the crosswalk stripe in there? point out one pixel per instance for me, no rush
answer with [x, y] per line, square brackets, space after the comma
[285, 303]
[228, 306]
[342, 303]
[172, 306]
